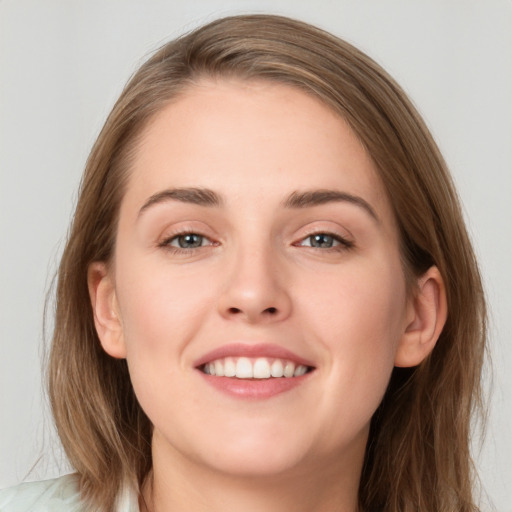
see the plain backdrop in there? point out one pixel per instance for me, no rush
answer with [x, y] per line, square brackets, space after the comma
[62, 65]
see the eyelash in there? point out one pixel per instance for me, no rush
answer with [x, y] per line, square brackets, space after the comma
[343, 243]
[166, 243]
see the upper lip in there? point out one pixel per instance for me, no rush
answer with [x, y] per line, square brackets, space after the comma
[251, 350]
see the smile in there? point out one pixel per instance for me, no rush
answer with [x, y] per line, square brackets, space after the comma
[254, 368]
[254, 371]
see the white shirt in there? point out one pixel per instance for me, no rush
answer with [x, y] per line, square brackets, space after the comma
[57, 495]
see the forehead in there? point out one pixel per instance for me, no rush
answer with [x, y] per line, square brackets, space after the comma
[237, 136]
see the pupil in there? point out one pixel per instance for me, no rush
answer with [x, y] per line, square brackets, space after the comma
[189, 241]
[321, 240]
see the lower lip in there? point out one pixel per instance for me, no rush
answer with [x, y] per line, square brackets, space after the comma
[254, 388]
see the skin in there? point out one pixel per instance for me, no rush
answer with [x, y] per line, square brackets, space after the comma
[257, 279]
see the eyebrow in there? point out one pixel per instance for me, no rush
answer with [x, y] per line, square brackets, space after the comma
[296, 200]
[199, 196]
[310, 198]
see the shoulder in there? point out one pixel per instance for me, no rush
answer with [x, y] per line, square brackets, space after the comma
[57, 495]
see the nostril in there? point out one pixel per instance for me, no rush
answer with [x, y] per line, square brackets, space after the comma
[271, 311]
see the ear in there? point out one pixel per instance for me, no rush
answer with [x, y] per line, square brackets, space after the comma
[426, 316]
[105, 309]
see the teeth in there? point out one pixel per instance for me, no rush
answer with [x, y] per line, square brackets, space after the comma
[260, 368]
[219, 368]
[277, 369]
[300, 370]
[229, 367]
[244, 368]
[289, 369]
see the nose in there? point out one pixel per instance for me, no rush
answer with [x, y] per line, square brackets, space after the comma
[255, 289]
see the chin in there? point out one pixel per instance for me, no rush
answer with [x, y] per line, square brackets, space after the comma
[262, 450]
[278, 449]
[257, 461]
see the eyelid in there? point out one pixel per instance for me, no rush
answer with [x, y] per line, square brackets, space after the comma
[334, 230]
[336, 240]
[178, 236]
[343, 243]
[165, 240]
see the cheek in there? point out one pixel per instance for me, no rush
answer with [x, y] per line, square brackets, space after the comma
[161, 312]
[161, 309]
[357, 317]
[365, 302]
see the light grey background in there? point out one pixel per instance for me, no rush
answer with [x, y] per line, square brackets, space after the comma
[62, 65]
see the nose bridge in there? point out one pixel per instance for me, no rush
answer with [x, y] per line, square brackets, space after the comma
[255, 287]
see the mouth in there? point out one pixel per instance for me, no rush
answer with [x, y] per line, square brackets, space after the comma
[253, 371]
[255, 368]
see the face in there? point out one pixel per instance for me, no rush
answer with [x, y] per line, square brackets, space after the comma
[256, 291]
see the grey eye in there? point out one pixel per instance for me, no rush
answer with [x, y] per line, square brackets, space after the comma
[321, 240]
[188, 241]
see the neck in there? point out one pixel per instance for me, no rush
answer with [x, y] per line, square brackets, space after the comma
[186, 486]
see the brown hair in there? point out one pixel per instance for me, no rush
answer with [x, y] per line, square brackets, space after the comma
[417, 456]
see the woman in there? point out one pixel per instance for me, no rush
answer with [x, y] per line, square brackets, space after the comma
[268, 298]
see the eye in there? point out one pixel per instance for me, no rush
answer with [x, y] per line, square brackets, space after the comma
[186, 241]
[325, 241]
[320, 240]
